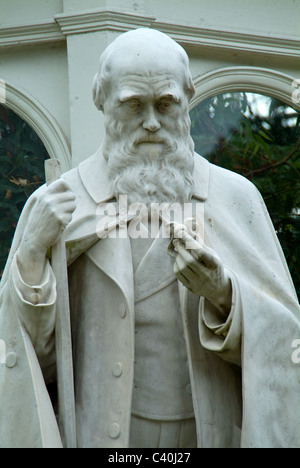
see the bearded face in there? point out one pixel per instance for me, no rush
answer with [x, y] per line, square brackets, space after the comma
[143, 87]
[151, 167]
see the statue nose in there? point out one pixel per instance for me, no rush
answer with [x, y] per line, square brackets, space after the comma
[151, 122]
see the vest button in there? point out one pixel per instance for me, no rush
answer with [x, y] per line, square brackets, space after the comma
[122, 310]
[189, 389]
[35, 298]
[114, 431]
[117, 369]
[11, 360]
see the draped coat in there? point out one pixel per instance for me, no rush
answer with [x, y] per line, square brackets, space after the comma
[245, 385]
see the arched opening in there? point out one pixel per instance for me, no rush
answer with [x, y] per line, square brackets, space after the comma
[28, 136]
[22, 156]
[40, 120]
[256, 134]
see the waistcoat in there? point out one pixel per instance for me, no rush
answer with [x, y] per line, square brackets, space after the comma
[162, 388]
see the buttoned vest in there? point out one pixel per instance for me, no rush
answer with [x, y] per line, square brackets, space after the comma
[161, 376]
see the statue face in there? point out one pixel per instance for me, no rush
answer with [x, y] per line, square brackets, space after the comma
[149, 107]
[148, 145]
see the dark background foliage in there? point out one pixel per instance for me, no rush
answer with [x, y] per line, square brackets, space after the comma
[22, 156]
[230, 131]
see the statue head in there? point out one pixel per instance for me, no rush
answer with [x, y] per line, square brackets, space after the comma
[144, 51]
[143, 87]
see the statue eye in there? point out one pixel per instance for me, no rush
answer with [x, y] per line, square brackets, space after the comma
[134, 105]
[164, 104]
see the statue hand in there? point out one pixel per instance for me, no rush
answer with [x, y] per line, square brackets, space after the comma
[203, 273]
[50, 216]
[48, 219]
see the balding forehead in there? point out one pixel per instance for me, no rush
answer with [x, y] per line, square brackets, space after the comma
[146, 41]
[156, 62]
[146, 53]
[134, 86]
[145, 49]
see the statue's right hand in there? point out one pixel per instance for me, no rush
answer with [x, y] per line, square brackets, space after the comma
[49, 218]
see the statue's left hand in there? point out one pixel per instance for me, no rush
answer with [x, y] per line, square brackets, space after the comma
[202, 272]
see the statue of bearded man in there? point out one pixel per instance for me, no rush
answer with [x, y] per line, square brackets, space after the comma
[185, 350]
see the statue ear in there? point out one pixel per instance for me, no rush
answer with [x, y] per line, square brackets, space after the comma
[191, 89]
[97, 93]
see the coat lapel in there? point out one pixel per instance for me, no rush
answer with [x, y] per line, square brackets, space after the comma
[113, 254]
[155, 270]
[113, 257]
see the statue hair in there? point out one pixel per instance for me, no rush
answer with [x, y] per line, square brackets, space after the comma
[102, 80]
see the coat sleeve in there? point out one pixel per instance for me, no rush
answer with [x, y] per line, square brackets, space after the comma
[25, 402]
[259, 332]
[221, 335]
[258, 335]
[259, 275]
[34, 305]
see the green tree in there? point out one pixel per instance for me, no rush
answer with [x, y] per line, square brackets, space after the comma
[230, 131]
[22, 156]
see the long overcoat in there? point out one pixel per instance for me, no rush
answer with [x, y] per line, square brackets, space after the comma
[245, 384]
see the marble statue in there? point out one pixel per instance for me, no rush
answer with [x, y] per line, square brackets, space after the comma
[178, 342]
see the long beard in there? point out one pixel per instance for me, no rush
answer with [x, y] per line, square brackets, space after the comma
[145, 177]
